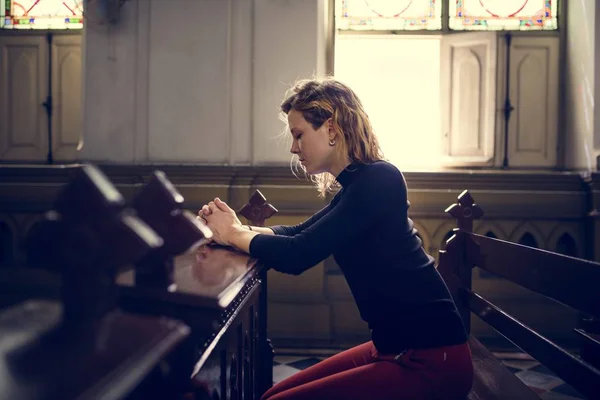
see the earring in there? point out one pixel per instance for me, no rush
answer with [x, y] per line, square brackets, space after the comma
[331, 142]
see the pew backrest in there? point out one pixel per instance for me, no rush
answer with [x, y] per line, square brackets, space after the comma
[567, 280]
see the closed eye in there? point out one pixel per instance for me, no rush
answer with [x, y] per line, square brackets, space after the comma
[296, 134]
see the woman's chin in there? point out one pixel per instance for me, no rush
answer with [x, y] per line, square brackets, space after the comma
[311, 169]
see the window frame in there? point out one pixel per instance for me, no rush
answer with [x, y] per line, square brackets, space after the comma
[559, 33]
[17, 31]
[445, 29]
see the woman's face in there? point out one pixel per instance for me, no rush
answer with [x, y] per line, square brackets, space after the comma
[311, 146]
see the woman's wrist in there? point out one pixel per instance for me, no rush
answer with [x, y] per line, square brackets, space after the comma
[239, 237]
[233, 232]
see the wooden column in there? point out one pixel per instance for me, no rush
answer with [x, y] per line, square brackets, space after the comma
[257, 211]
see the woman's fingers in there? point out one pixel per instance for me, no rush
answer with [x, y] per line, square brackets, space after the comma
[211, 207]
[222, 205]
[204, 211]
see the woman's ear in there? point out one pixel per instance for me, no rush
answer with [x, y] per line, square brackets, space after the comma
[330, 131]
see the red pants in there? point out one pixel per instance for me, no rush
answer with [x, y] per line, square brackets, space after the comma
[362, 373]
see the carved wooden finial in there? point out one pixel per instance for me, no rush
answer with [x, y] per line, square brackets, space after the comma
[87, 237]
[465, 211]
[159, 204]
[257, 211]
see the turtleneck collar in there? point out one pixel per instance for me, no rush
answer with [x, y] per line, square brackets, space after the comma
[349, 174]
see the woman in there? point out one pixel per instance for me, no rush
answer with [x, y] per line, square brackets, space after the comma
[419, 346]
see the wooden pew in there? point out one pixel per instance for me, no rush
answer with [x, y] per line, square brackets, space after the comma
[218, 292]
[80, 345]
[567, 280]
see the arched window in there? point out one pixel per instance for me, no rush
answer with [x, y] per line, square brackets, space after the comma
[528, 240]
[491, 234]
[566, 245]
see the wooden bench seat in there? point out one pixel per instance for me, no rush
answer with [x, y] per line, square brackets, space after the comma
[492, 379]
[567, 280]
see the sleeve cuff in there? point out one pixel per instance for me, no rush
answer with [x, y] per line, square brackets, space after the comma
[279, 229]
[261, 247]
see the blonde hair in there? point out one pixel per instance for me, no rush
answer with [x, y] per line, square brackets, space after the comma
[320, 100]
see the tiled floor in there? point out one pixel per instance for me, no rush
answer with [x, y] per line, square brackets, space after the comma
[540, 379]
[536, 376]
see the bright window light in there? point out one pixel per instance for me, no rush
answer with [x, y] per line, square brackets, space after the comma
[398, 80]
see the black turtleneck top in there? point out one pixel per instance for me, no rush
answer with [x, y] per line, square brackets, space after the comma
[397, 288]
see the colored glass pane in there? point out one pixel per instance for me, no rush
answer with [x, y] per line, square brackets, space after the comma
[388, 14]
[41, 14]
[503, 15]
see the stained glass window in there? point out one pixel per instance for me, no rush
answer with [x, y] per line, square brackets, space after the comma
[388, 14]
[522, 15]
[41, 14]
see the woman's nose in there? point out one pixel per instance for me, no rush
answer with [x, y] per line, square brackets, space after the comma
[294, 149]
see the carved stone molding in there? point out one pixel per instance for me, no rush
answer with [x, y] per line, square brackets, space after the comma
[512, 194]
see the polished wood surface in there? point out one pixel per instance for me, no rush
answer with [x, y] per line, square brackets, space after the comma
[221, 294]
[216, 291]
[79, 344]
[211, 276]
[81, 323]
[106, 358]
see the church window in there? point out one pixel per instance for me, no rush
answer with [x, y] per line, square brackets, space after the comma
[390, 15]
[523, 15]
[41, 14]
[445, 81]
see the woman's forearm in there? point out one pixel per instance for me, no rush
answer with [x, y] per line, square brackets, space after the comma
[240, 238]
[260, 229]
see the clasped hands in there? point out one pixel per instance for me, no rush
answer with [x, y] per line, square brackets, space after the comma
[221, 219]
